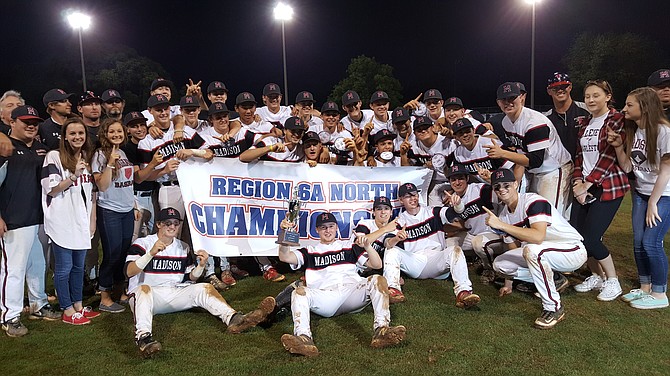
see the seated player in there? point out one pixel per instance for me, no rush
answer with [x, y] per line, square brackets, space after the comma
[334, 287]
[162, 270]
[543, 242]
[418, 248]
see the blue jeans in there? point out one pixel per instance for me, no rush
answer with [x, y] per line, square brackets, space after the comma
[650, 257]
[116, 234]
[68, 274]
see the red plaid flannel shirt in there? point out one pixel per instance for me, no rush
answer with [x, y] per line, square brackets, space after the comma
[606, 173]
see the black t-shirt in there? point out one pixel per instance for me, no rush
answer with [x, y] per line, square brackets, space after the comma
[93, 135]
[49, 133]
[567, 126]
[133, 155]
[4, 128]
[21, 192]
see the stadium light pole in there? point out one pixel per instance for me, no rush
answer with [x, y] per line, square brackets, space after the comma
[79, 21]
[532, 3]
[283, 13]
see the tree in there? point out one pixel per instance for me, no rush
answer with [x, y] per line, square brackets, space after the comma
[365, 75]
[624, 60]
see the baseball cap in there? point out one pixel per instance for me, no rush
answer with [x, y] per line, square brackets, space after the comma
[407, 188]
[330, 107]
[245, 97]
[325, 218]
[26, 113]
[218, 108]
[110, 94]
[421, 121]
[215, 86]
[271, 88]
[168, 213]
[55, 95]
[509, 90]
[350, 97]
[304, 96]
[382, 135]
[157, 100]
[88, 97]
[159, 82]
[456, 169]
[379, 95]
[558, 79]
[310, 136]
[432, 94]
[502, 175]
[189, 101]
[454, 101]
[399, 115]
[461, 124]
[294, 122]
[659, 77]
[381, 200]
[132, 117]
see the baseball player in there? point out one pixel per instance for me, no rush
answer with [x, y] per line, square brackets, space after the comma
[304, 104]
[471, 151]
[374, 229]
[59, 106]
[224, 141]
[273, 112]
[284, 149]
[383, 155]
[418, 248]
[334, 287]
[162, 270]
[660, 82]
[189, 105]
[565, 112]
[541, 241]
[161, 86]
[356, 117]
[539, 149]
[112, 104]
[454, 110]
[479, 237]
[245, 105]
[20, 219]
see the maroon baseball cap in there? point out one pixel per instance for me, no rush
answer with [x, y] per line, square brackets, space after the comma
[26, 113]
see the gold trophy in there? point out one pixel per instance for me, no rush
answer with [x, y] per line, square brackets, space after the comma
[291, 236]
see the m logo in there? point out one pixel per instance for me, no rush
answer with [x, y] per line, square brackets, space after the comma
[134, 115]
[189, 99]
[324, 216]
[246, 96]
[664, 74]
[499, 174]
[380, 94]
[31, 111]
[350, 95]
[454, 168]
[306, 95]
[452, 99]
[507, 89]
[160, 97]
[172, 212]
[272, 87]
[218, 85]
[431, 92]
[112, 93]
[398, 113]
[331, 105]
[218, 106]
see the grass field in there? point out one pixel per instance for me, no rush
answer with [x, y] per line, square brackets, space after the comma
[596, 338]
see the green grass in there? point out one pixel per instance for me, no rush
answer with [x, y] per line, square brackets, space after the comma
[497, 339]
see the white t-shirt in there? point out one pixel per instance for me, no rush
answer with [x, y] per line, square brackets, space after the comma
[349, 123]
[67, 215]
[331, 265]
[169, 267]
[276, 119]
[118, 197]
[589, 143]
[646, 174]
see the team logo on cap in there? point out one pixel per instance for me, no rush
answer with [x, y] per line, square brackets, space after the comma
[499, 174]
[452, 99]
[172, 212]
[189, 100]
[31, 111]
[61, 91]
[380, 94]
[507, 89]
[272, 87]
[305, 95]
[398, 113]
[324, 216]
[350, 95]
[218, 85]
[112, 93]
[298, 121]
[161, 97]
[246, 95]
[332, 105]
[664, 74]
[218, 106]
[431, 92]
[134, 115]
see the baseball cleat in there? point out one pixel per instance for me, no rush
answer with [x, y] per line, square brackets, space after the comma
[148, 346]
[237, 272]
[388, 336]
[467, 299]
[273, 275]
[395, 296]
[216, 282]
[239, 323]
[227, 278]
[549, 319]
[301, 345]
[14, 328]
[488, 276]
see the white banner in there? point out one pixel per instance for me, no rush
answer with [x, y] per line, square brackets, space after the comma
[235, 208]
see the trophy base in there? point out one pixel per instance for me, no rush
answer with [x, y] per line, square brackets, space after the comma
[288, 238]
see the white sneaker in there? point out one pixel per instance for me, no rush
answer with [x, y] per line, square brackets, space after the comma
[610, 291]
[593, 282]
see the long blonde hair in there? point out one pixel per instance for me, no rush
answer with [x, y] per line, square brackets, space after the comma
[652, 117]
[68, 157]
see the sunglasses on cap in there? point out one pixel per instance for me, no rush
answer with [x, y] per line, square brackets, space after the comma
[558, 88]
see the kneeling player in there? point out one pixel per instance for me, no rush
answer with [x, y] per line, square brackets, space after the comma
[418, 248]
[161, 271]
[545, 240]
[334, 287]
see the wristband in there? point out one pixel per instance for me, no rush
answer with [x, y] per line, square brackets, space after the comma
[197, 272]
[143, 261]
[460, 208]
[272, 148]
[199, 153]
[179, 130]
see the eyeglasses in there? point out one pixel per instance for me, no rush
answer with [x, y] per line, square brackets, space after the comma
[432, 102]
[505, 186]
[171, 223]
[558, 88]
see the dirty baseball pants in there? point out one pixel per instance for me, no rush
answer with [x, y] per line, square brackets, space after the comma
[351, 296]
[147, 301]
[427, 264]
[555, 187]
[536, 263]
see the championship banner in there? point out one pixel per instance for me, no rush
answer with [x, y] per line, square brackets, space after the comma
[235, 208]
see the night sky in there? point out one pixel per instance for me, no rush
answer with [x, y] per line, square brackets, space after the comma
[464, 48]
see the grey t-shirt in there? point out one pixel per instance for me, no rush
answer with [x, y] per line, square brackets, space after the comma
[119, 195]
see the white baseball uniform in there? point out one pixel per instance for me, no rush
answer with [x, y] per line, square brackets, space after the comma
[478, 155]
[424, 254]
[334, 286]
[444, 146]
[277, 119]
[562, 249]
[164, 285]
